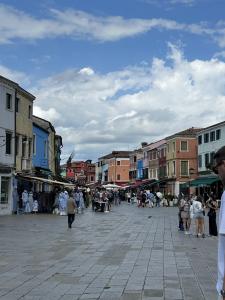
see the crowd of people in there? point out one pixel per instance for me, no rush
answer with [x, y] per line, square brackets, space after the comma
[193, 209]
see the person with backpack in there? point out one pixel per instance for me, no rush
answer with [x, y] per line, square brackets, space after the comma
[198, 215]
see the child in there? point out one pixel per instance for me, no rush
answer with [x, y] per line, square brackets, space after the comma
[35, 206]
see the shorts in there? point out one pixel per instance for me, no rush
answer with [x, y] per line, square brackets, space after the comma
[185, 215]
[199, 215]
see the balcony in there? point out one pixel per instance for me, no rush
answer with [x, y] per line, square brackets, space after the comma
[26, 164]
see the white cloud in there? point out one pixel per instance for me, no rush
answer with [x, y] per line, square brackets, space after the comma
[103, 112]
[18, 77]
[15, 24]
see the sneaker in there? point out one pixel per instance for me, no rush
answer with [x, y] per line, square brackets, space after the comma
[187, 232]
[203, 235]
[199, 234]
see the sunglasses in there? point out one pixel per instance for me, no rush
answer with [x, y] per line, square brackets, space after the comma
[215, 168]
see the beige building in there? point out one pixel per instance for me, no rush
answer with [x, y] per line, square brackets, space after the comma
[24, 130]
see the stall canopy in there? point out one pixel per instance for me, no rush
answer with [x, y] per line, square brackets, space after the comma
[50, 181]
[201, 181]
[204, 181]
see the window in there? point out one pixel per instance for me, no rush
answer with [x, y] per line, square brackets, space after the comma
[17, 145]
[218, 134]
[24, 143]
[118, 163]
[45, 149]
[184, 167]
[199, 161]
[29, 111]
[34, 144]
[206, 160]
[212, 136]
[168, 148]
[168, 169]
[5, 186]
[174, 147]
[92, 178]
[8, 143]
[211, 157]
[206, 138]
[29, 148]
[154, 154]
[118, 176]
[135, 159]
[174, 167]
[183, 146]
[200, 139]
[17, 104]
[9, 101]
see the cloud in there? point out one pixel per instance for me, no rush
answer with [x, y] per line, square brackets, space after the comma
[18, 77]
[16, 24]
[97, 113]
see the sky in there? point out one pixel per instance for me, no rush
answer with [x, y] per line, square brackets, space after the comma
[112, 74]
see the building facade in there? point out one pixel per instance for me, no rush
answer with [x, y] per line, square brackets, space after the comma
[210, 139]
[119, 167]
[7, 143]
[40, 147]
[181, 159]
[24, 130]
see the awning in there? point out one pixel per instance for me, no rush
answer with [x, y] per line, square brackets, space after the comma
[201, 181]
[204, 181]
[50, 181]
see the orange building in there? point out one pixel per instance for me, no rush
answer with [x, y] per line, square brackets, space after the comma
[181, 158]
[118, 167]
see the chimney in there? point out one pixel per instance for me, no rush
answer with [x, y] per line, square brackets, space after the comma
[144, 144]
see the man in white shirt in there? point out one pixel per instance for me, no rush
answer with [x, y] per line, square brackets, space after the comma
[219, 168]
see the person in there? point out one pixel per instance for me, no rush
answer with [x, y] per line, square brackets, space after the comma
[35, 206]
[180, 207]
[198, 212]
[219, 168]
[26, 203]
[212, 205]
[70, 210]
[185, 215]
[81, 201]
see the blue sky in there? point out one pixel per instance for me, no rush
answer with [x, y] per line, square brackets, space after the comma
[112, 74]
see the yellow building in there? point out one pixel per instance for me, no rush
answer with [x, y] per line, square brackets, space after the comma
[24, 130]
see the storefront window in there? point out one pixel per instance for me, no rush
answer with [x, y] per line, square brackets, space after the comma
[5, 190]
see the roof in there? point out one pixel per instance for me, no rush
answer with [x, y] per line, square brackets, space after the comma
[190, 132]
[17, 87]
[45, 124]
[125, 154]
[212, 126]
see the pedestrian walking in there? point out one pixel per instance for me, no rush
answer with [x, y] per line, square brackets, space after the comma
[212, 205]
[185, 215]
[219, 168]
[199, 213]
[70, 210]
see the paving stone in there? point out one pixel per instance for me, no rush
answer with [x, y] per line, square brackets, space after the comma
[120, 255]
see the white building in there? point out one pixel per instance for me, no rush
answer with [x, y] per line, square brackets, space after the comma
[7, 143]
[210, 139]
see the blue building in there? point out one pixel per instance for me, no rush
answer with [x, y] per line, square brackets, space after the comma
[140, 169]
[40, 158]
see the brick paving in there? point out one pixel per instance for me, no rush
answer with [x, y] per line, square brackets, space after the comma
[129, 253]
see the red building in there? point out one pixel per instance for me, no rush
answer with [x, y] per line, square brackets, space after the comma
[81, 172]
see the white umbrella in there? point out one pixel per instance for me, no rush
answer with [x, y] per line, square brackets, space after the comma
[111, 186]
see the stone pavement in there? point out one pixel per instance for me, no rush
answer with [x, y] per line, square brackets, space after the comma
[129, 253]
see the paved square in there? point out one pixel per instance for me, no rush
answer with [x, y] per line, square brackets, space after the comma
[121, 255]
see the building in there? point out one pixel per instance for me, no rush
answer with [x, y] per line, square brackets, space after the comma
[102, 167]
[7, 143]
[58, 147]
[210, 139]
[49, 146]
[119, 167]
[40, 148]
[24, 130]
[133, 166]
[81, 172]
[181, 159]
[153, 157]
